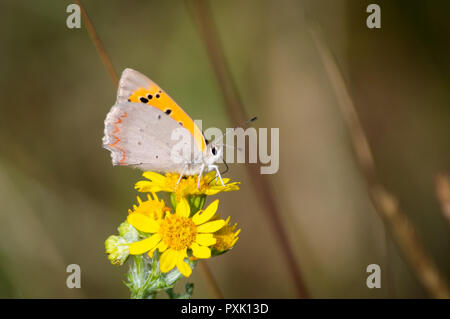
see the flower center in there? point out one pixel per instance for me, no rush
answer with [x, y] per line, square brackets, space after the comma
[186, 186]
[177, 232]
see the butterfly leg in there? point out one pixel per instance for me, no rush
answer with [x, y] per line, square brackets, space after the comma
[181, 176]
[216, 168]
[202, 168]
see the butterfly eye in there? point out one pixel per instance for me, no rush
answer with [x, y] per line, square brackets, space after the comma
[214, 151]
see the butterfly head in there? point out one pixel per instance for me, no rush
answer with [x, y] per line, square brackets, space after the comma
[213, 153]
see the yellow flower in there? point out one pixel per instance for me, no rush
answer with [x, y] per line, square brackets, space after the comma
[226, 237]
[209, 184]
[153, 207]
[174, 234]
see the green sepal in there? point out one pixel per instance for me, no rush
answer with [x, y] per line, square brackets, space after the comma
[215, 252]
[173, 200]
[196, 202]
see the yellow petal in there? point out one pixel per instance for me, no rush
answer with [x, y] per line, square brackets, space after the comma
[203, 216]
[143, 223]
[145, 245]
[150, 253]
[155, 196]
[147, 186]
[183, 209]
[211, 227]
[184, 268]
[213, 190]
[205, 239]
[162, 246]
[168, 260]
[200, 251]
[208, 177]
[155, 177]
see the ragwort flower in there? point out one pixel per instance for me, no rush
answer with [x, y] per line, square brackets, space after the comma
[209, 184]
[153, 207]
[175, 234]
[226, 237]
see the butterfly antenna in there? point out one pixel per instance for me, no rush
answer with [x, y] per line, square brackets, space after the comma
[246, 123]
[253, 119]
[226, 169]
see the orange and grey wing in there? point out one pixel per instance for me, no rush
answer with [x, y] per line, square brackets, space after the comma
[135, 87]
[140, 136]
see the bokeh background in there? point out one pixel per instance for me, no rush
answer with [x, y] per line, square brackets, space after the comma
[60, 197]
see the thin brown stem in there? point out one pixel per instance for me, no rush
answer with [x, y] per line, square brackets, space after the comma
[385, 203]
[210, 279]
[98, 44]
[202, 17]
[109, 67]
[443, 194]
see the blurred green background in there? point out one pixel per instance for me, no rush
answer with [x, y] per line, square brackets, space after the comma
[61, 198]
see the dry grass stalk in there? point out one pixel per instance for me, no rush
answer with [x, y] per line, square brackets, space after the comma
[384, 202]
[443, 194]
[202, 16]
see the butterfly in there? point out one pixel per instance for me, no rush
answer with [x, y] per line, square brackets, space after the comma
[139, 131]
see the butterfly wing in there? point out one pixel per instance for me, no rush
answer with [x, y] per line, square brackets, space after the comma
[138, 128]
[137, 88]
[140, 136]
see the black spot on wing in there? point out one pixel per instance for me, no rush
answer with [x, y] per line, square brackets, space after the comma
[143, 100]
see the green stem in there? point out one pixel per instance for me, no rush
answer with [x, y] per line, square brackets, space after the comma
[141, 278]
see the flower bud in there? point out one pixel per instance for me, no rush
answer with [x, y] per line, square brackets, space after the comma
[128, 232]
[117, 249]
